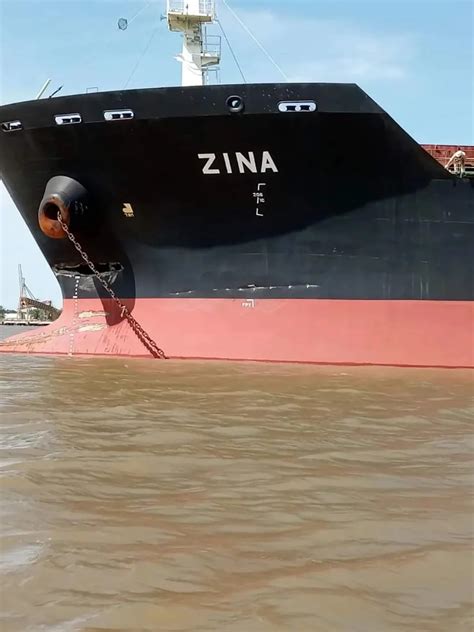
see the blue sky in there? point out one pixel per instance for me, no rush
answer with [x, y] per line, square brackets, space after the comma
[415, 57]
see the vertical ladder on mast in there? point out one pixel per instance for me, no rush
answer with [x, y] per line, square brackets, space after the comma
[201, 51]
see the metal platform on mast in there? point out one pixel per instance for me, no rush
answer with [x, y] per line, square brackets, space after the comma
[201, 52]
[181, 12]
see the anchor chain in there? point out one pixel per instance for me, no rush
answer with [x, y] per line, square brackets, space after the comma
[141, 334]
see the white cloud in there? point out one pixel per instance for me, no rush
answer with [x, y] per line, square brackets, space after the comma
[323, 50]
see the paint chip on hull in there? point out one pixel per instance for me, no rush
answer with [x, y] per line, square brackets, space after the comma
[92, 314]
[93, 327]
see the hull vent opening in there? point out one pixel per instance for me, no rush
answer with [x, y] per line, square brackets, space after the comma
[297, 106]
[118, 115]
[12, 126]
[68, 119]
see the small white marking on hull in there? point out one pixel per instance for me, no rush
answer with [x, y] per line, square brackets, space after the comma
[250, 303]
[92, 314]
[74, 318]
[93, 327]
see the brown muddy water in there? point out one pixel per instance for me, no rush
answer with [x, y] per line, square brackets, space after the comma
[183, 496]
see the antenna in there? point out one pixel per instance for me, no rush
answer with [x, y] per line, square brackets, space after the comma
[55, 92]
[43, 89]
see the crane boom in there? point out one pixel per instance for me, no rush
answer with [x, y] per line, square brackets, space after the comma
[26, 301]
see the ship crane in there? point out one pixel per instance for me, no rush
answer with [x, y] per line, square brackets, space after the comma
[28, 300]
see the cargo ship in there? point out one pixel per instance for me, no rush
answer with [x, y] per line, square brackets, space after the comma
[264, 222]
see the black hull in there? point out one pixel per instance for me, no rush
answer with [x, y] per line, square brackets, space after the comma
[354, 208]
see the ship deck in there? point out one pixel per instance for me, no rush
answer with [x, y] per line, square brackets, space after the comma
[442, 153]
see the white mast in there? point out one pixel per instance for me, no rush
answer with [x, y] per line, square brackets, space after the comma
[200, 51]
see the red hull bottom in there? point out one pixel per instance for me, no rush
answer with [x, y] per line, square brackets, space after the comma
[398, 333]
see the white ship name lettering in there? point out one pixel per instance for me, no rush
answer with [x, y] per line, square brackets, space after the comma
[237, 162]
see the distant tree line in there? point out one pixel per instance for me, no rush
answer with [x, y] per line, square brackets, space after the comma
[34, 313]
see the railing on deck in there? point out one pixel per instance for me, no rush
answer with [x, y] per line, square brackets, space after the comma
[206, 7]
[442, 153]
